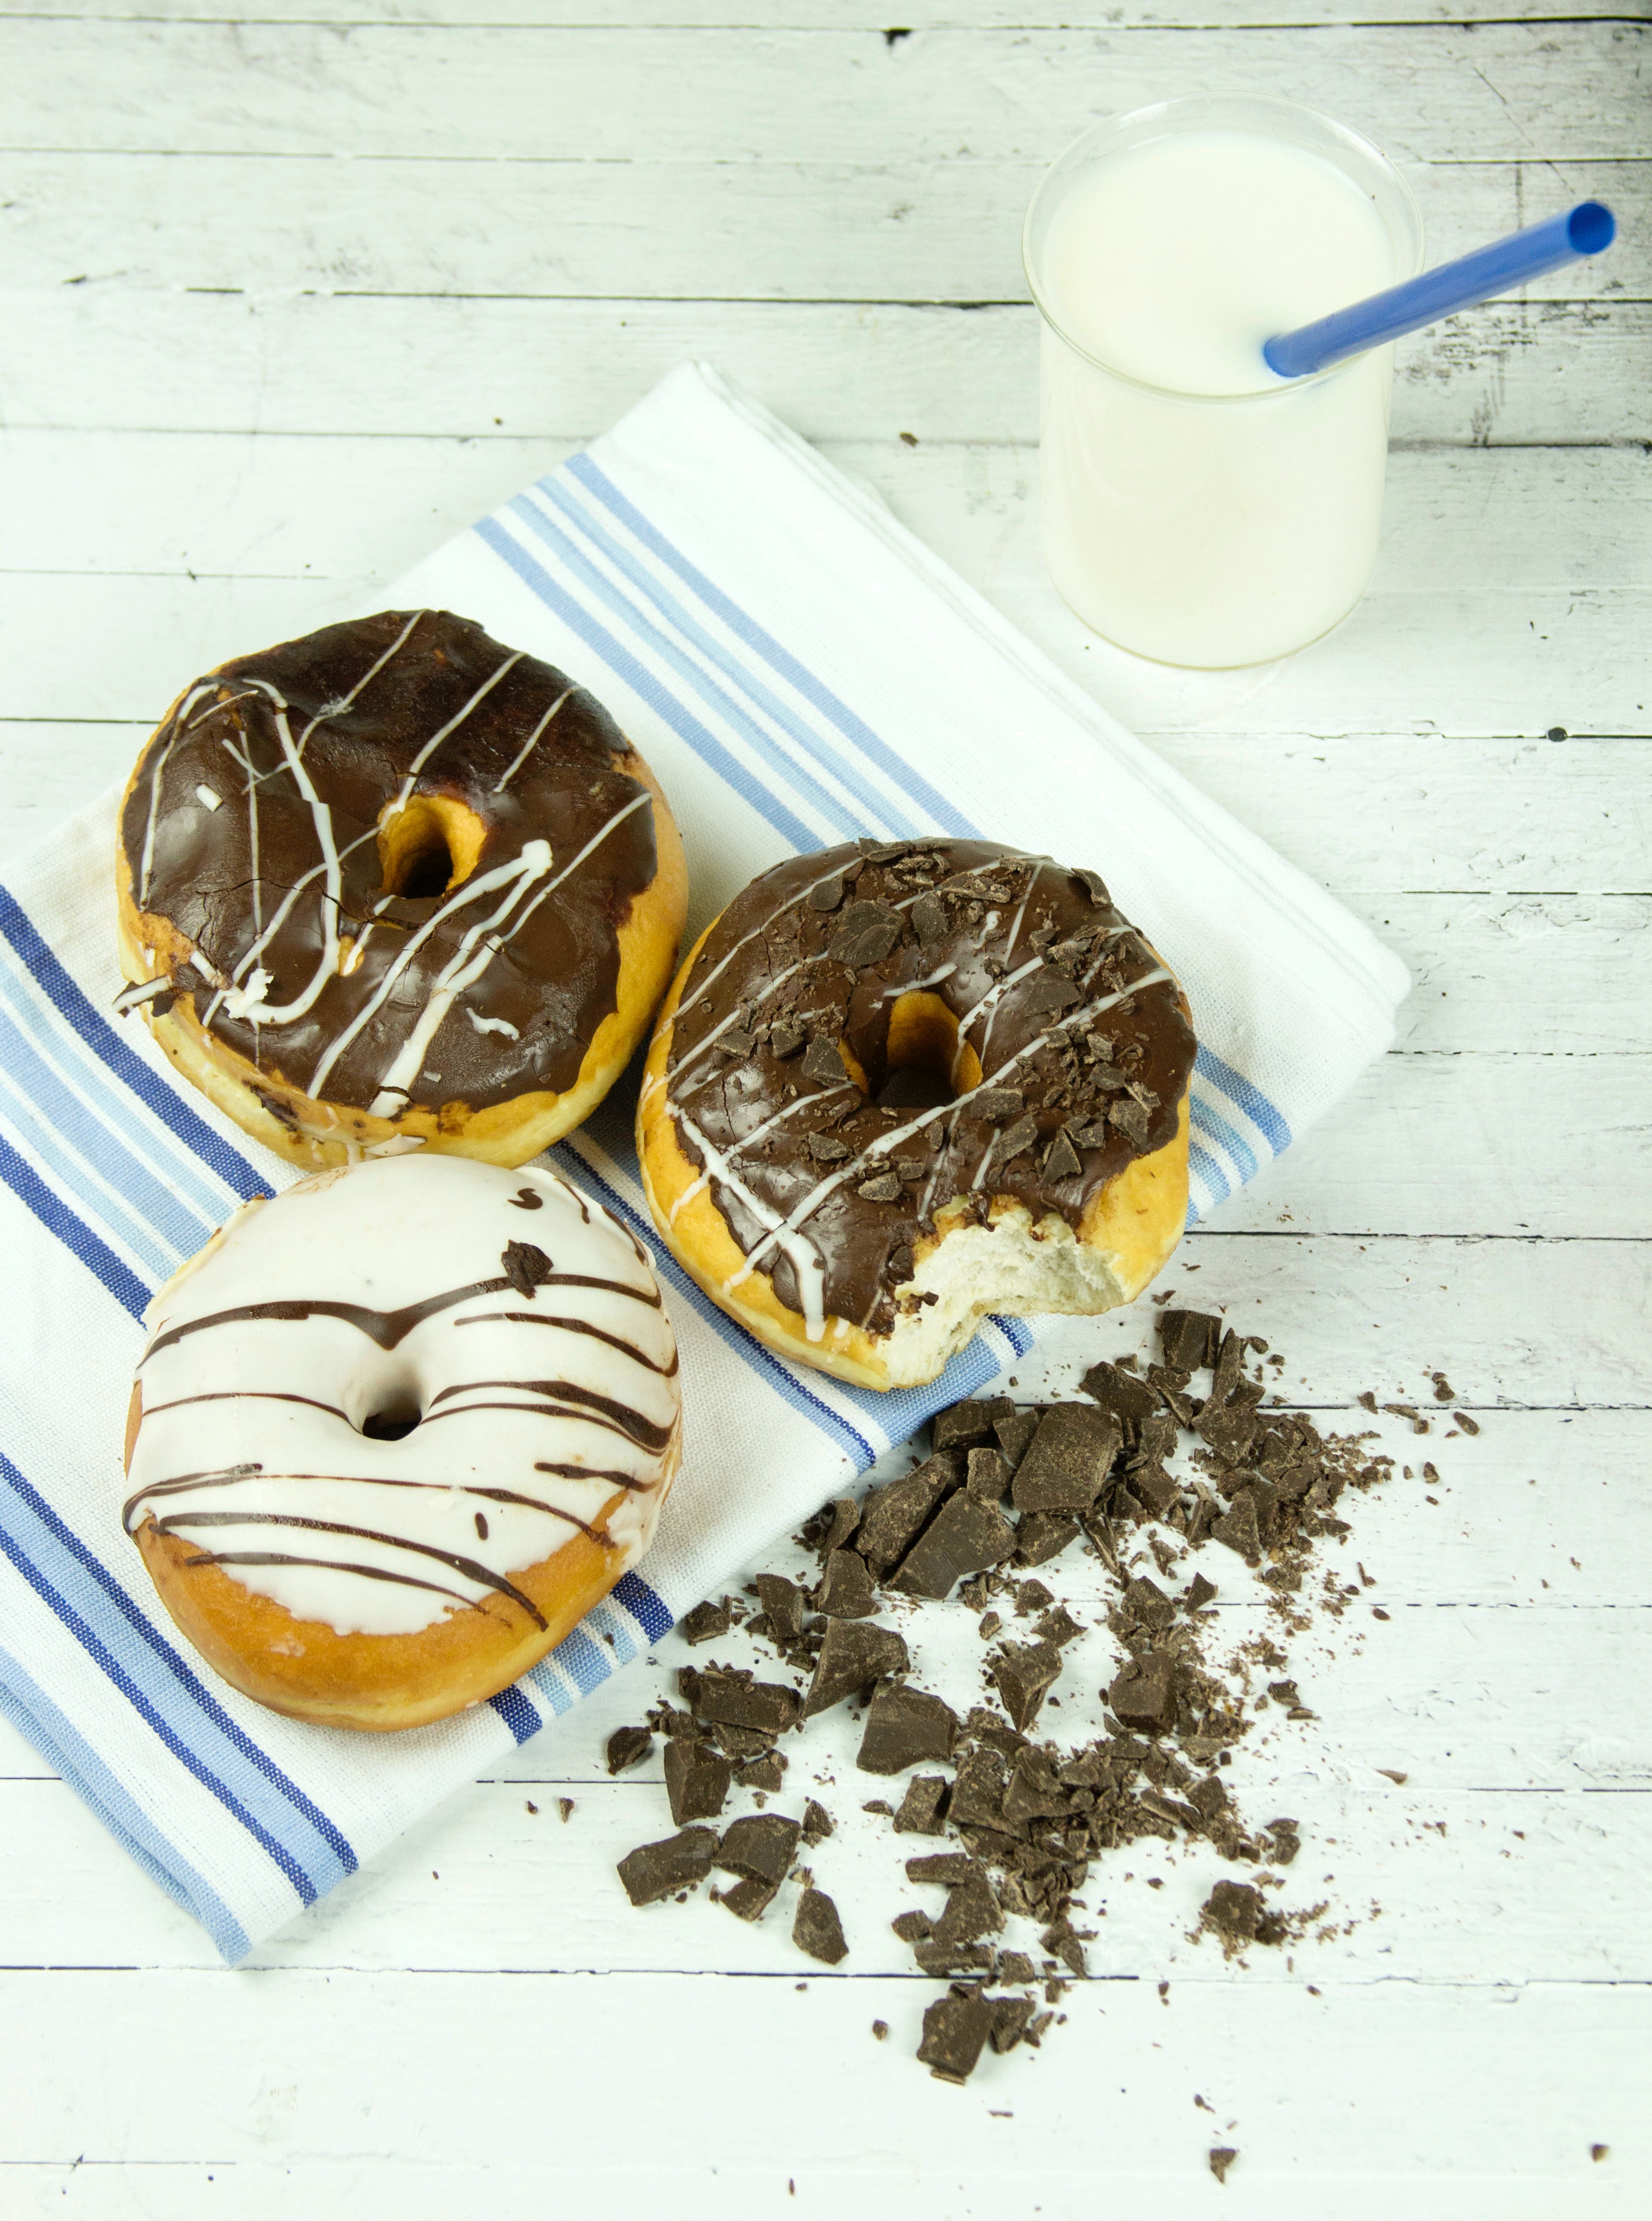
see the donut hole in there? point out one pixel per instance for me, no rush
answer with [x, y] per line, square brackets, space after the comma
[924, 1063]
[396, 1417]
[429, 847]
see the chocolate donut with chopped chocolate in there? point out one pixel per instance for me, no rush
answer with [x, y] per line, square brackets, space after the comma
[394, 885]
[897, 1085]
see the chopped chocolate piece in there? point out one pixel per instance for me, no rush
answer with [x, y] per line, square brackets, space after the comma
[761, 1844]
[782, 1602]
[977, 1799]
[923, 1806]
[1095, 1136]
[785, 1041]
[1061, 1159]
[1238, 1913]
[705, 1622]
[816, 1822]
[1144, 1695]
[1158, 1492]
[769, 1707]
[1061, 1940]
[1093, 884]
[971, 1912]
[526, 1266]
[997, 1105]
[943, 1869]
[654, 1871]
[826, 894]
[1048, 991]
[1131, 1401]
[954, 2028]
[824, 1062]
[943, 1959]
[1010, 2015]
[1067, 1464]
[988, 1475]
[1033, 1792]
[740, 1743]
[853, 1652]
[1042, 1535]
[767, 1772]
[1199, 1592]
[1058, 1626]
[817, 1929]
[1025, 1672]
[990, 1625]
[697, 1779]
[1015, 1432]
[827, 1149]
[1222, 2158]
[1238, 1527]
[965, 1536]
[965, 1426]
[1030, 1597]
[986, 1726]
[1146, 1601]
[869, 930]
[845, 1518]
[882, 1187]
[904, 1727]
[628, 1746]
[750, 1901]
[846, 1590]
[1014, 1140]
[930, 920]
[737, 1042]
[892, 1515]
[1229, 1423]
[1131, 1118]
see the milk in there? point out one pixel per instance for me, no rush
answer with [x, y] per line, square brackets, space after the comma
[1196, 509]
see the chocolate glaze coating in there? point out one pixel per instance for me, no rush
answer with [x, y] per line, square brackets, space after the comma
[303, 746]
[818, 951]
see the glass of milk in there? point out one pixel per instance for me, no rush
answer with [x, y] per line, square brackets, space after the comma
[1196, 509]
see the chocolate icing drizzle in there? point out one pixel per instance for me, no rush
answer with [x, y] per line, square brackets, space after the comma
[1085, 1054]
[251, 827]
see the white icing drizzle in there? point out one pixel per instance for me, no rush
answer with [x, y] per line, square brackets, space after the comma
[444, 732]
[750, 1140]
[534, 1411]
[748, 1002]
[332, 710]
[916, 986]
[207, 796]
[141, 990]
[806, 1261]
[783, 1232]
[532, 741]
[493, 1025]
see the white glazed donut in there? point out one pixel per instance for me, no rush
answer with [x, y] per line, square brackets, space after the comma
[395, 1433]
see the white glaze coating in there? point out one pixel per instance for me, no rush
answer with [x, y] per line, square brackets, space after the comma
[258, 1419]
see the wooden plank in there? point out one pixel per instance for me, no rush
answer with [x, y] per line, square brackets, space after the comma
[828, 15]
[100, 355]
[945, 230]
[1494, 91]
[1355, 2081]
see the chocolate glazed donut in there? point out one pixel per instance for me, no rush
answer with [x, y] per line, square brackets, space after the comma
[899, 1085]
[395, 885]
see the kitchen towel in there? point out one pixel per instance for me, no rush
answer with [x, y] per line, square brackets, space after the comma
[798, 670]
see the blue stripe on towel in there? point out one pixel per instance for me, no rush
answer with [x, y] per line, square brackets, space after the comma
[53, 1213]
[1262, 1114]
[645, 1607]
[710, 749]
[162, 1679]
[95, 1029]
[826, 751]
[1216, 1129]
[946, 815]
[517, 1714]
[62, 1746]
[837, 814]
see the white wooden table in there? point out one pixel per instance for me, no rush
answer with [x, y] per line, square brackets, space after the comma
[287, 300]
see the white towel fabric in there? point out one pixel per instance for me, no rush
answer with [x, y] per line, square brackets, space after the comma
[798, 670]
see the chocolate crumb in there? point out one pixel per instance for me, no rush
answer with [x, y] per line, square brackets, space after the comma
[1469, 1426]
[526, 1266]
[628, 1746]
[816, 1822]
[817, 1931]
[1222, 2158]
[880, 2029]
[565, 1810]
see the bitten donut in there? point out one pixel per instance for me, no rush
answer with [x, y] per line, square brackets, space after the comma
[899, 1085]
[394, 886]
[394, 1434]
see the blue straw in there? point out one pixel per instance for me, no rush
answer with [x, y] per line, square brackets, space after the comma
[1588, 229]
